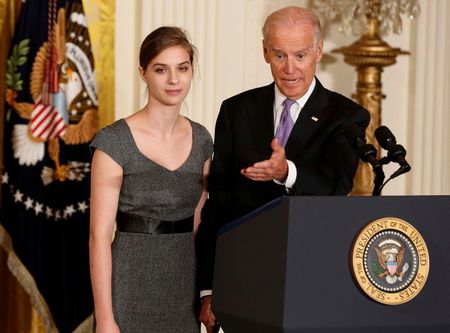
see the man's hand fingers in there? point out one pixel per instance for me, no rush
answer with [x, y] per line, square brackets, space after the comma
[256, 174]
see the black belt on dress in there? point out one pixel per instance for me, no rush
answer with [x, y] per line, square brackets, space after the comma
[137, 224]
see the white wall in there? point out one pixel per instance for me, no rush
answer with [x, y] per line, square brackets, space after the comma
[227, 35]
[429, 103]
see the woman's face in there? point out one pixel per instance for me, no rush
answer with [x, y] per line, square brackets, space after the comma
[168, 76]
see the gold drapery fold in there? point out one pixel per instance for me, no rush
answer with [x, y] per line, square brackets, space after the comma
[86, 326]
[12, 320]
[25, 310]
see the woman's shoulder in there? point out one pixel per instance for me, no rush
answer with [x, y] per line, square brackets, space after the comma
[112, 130]
[109, 134]
[200, 130]
[116, 126]
[203, 139]
[110, 140]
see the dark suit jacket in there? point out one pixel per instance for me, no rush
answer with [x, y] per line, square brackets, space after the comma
[325, 160]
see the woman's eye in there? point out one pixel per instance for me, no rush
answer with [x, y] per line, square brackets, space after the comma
[159, 70]
[184, 69]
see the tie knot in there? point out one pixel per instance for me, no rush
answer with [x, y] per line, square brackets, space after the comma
[288, 103]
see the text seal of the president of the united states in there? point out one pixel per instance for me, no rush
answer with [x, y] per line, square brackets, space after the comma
[390, 261]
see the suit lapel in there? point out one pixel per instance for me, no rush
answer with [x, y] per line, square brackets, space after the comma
[312, 116]
[261, 120]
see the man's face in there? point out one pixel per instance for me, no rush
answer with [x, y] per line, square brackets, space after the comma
[292, 56]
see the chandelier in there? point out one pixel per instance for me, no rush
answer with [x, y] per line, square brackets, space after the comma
[353, 15]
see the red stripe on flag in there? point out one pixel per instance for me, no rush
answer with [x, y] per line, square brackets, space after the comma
[53, 115]
[46, 112]
[58, 129]
[41, 109]
[46, 122]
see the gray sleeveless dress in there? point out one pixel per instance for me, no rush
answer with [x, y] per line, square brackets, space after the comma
[154, 275]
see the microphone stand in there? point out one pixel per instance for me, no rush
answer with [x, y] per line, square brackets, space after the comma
[379, 176]
[378, 181]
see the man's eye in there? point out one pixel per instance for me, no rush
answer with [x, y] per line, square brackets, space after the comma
[301, 56]
[279, 56]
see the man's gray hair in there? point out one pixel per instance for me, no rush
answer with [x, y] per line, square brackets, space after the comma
[290, 16]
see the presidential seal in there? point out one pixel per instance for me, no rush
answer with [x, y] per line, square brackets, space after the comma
[390, 261]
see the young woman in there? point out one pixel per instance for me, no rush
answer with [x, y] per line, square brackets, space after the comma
[149, 174]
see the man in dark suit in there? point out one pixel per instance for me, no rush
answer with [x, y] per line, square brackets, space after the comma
[252, 163]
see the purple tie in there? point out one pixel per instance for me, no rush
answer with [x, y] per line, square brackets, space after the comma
[286, 123]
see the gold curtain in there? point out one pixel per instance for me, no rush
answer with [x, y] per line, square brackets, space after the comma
[101, 21]
[17, 311]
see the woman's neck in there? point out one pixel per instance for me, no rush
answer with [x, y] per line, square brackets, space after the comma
[165, 119]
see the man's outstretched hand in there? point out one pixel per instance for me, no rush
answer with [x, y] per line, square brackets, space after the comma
[275, 168]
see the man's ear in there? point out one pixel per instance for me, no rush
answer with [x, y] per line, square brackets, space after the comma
[319, 51]
[265, 51]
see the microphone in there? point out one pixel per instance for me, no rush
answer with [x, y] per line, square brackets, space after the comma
[396, 153]
[366, 151]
